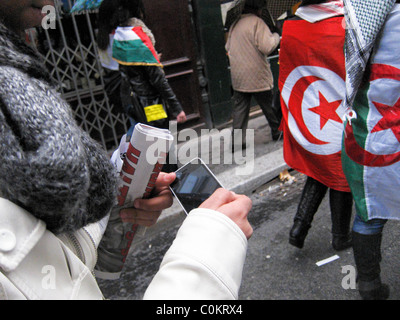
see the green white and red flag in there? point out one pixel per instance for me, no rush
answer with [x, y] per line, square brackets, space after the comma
[132, 46]
[371, 156]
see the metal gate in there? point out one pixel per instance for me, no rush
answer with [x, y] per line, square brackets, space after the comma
[70, 54]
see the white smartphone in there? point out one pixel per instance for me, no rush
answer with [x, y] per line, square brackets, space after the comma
[194, 183]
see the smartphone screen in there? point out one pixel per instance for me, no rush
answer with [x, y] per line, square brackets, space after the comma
[194, 183]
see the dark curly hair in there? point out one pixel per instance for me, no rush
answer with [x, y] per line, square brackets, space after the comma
[114, 13]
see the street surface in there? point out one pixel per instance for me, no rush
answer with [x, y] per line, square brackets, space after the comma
[274, 270]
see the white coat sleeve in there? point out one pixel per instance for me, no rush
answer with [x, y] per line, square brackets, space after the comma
[204, 262]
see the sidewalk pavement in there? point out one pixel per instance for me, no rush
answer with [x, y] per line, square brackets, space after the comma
[268, 163]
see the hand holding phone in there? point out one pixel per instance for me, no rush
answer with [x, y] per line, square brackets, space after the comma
[234, 206]
[196, 186]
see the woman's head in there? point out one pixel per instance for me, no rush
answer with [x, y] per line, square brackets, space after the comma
[254, 6]
[130, 9]
[117, 12]
[19, 15]
[114, 13]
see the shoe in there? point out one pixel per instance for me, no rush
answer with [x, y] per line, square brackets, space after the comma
[311, 198]
[298, 233]
[367, 256]
[373, 290]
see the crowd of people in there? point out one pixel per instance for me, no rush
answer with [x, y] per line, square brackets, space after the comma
[56, 180]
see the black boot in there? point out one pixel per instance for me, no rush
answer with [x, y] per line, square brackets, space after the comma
[367, 255]
[341, 204]
[311, 198]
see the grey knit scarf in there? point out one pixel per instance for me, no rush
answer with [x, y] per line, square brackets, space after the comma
[48, 165]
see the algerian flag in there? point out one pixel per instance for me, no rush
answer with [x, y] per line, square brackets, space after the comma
[132, 46]
[371, 160]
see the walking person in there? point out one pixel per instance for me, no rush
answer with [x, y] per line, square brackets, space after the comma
[311, 82]
[146, 94]
[249, 43]
[370, 154]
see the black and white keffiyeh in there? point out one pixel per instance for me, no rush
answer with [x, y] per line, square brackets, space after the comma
[364, 20]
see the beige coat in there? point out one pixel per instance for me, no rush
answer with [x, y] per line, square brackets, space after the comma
[249, 43]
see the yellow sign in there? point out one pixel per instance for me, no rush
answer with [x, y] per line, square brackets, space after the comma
[155, 112]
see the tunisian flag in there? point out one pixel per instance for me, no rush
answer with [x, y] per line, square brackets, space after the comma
[312, 86]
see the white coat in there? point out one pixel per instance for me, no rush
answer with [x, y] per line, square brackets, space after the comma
[205, 260]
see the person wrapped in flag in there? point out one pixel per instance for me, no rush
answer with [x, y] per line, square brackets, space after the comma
[371, 144]
[311, 82]
[145, 92]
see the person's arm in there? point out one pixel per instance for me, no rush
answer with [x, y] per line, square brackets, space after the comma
[207, 256]
[265, 41]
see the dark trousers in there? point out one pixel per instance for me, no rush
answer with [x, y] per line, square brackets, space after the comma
[241, 110]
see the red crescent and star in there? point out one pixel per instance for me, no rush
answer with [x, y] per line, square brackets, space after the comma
[390, 121]
[326, 110]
